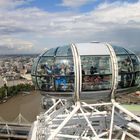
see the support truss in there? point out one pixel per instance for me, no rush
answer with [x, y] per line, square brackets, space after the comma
[82, 121]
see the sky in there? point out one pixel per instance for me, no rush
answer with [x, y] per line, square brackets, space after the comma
[32, 26]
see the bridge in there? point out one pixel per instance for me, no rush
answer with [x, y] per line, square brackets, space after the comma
[17, 129]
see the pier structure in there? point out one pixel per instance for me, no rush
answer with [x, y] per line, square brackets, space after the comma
[17, 129]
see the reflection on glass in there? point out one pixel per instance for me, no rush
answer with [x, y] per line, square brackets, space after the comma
[45, 66]
[64, 51]
[50, 52]
[55, 70]
[96, 82]
[125, 68]
[34, 81]
[33, 71]
[96, 73]
[119, 50]
[64, 74]
[45, 83]
[128, 67]
[136, 70]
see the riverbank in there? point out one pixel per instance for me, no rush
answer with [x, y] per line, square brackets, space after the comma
[29, 106]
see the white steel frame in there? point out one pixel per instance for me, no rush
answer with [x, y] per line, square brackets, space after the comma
[52, 124]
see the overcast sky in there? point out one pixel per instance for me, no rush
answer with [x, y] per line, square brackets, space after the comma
[31, 26]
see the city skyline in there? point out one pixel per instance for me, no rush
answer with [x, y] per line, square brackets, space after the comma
[31, 26]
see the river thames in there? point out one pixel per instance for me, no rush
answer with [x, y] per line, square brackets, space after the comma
[28, 105]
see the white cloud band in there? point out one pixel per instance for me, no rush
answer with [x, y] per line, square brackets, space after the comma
[108, 22]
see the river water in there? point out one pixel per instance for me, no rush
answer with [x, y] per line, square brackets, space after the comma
[28, 105]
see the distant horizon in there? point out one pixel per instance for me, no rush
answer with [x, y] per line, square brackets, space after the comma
[27, 54]
[34, 53]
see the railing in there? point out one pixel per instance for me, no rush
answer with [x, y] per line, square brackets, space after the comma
[19, 128]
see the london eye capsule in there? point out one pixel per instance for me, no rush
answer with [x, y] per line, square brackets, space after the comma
[86, 70]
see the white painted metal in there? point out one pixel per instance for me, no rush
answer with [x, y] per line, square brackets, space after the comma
[114, 65]
[126, 111]
[131, 136]
[112, 122]
[134, 126]
[52, 107]
[64, 122]
[84, 120]
[92, 49]
[89, 123]
[56, 133]
[34, 131]
[78, 74]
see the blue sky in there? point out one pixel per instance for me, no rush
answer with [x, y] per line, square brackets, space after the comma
[57, 5]
[31, 26]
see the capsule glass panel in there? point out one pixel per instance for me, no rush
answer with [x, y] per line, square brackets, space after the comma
[136, 70]
[33, 71]
[128, 68]
[96, 66]
[64, 70]
[64, 74]
[96, 73]
[50, 52]
[34, 66]
[55, 71]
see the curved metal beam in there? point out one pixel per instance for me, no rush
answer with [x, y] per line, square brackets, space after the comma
[114, 65]
[77, 72]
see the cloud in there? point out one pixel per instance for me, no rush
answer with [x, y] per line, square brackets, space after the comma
[12, 3]
[36, 21]
[8, 45]
[110, 22]
[75, 3]
[118, 12]
[114, 22]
